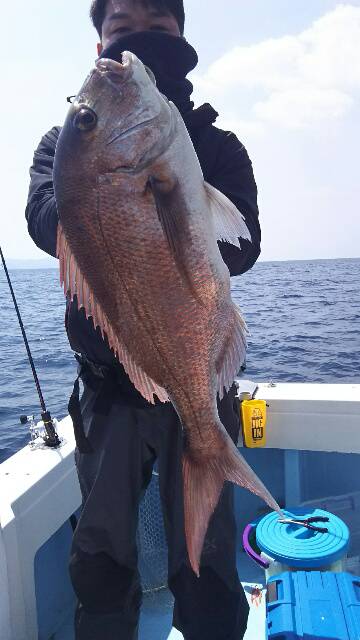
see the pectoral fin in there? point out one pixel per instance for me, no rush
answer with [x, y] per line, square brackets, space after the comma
[229, 222]
[170, 207]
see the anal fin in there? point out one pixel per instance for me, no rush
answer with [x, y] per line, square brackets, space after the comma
[233, 353]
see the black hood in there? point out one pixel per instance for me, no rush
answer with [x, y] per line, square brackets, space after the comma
[170, 58]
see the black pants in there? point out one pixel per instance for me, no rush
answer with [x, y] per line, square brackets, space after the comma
[126, 440]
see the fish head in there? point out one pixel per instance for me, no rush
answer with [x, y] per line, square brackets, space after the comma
[119, 122]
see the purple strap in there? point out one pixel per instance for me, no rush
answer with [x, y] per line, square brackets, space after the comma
[264, 564]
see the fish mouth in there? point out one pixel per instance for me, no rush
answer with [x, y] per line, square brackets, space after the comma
[116, 72]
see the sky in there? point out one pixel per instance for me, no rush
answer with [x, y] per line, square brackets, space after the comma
[283, 74]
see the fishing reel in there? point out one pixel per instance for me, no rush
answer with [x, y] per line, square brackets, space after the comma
[44, 432]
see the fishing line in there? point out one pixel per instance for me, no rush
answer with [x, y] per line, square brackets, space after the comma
[51, 439]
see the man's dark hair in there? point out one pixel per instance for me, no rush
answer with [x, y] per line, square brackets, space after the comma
[176, 7]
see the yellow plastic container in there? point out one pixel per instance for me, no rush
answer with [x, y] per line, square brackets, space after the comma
[253, 413]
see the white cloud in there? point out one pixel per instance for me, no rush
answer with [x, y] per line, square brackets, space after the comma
[248, 128]
[301, 106]
[296, 81]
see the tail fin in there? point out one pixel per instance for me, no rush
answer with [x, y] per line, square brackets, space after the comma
[203, 482]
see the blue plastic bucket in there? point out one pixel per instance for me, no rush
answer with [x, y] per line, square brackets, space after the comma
[291, 547]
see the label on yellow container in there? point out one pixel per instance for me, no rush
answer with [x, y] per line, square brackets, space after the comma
[253, 413]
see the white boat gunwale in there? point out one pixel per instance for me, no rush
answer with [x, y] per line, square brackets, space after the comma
[313, 417]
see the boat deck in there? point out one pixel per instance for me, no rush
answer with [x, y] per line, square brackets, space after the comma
[312, 457]
[156, 618]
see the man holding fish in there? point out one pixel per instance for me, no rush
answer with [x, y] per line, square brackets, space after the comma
[148, 207]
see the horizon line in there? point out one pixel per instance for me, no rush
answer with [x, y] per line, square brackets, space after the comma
[31, 261]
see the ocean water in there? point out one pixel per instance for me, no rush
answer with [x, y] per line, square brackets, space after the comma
[304, 320]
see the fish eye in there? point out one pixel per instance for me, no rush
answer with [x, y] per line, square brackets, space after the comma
[85, 119]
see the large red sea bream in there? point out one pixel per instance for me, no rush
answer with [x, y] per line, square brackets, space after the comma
[137, 244]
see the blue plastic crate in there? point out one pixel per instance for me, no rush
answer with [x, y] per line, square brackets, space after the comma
[313, 605]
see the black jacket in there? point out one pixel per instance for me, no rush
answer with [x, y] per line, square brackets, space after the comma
[226, 166]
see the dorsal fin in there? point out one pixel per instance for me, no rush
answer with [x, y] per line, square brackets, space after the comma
[75, 284]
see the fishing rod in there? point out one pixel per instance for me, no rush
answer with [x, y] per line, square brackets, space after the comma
[51, 438]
